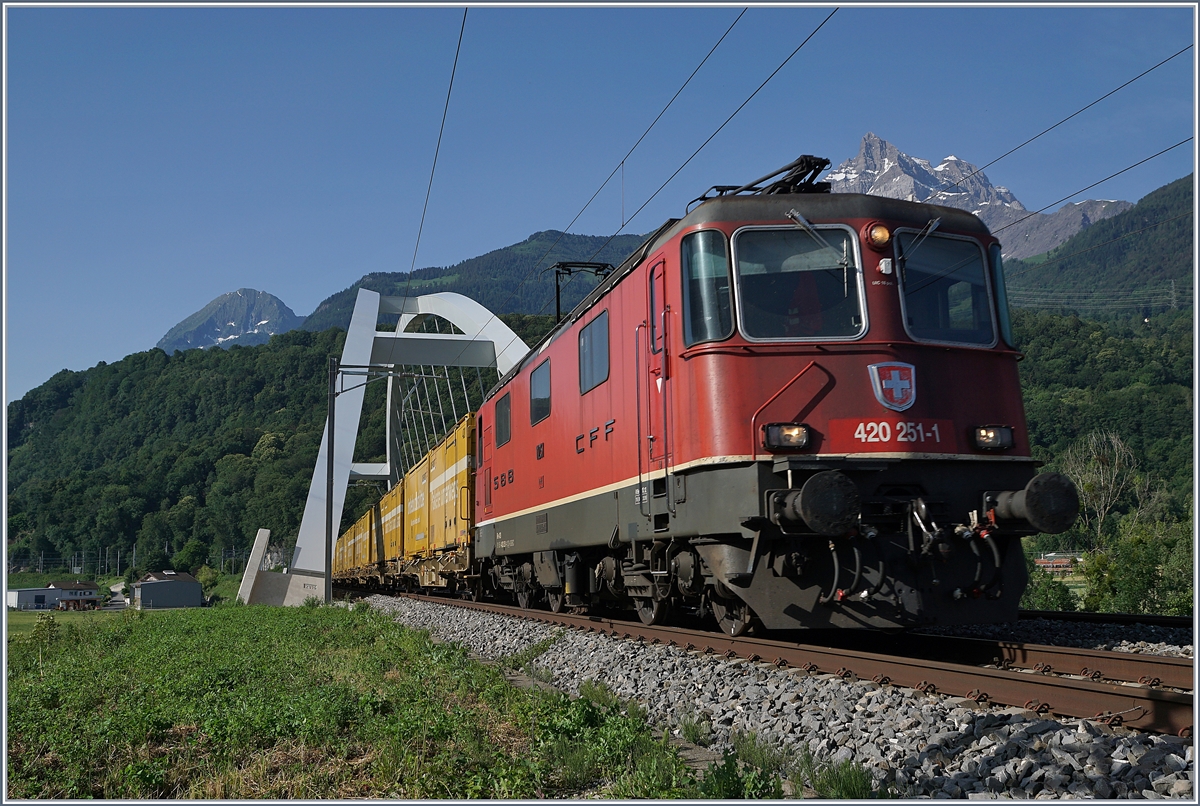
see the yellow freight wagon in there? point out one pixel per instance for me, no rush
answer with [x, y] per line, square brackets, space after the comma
[391, 516]
[339, 557]
[451, 488]
[419, 532]
[362, 542]
[443, 548]
[416, 498]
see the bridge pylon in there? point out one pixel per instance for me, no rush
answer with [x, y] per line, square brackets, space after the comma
[484, 342]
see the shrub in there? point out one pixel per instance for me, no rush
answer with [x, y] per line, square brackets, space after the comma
[834, 780]
[1146, 568]
[729, 781]
[1045, 592]
[696, 730]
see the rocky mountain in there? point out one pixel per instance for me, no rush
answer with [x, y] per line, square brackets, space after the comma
[242, 317]
[881, 169]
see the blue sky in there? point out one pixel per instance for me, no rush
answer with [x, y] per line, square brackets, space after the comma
[160, 157]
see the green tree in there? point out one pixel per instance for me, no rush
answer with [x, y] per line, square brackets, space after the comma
[193, 555]
[1147, 568]
[208, 578]
[1044, 592]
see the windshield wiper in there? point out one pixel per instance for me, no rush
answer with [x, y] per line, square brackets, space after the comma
[843, 259]
[925, 232]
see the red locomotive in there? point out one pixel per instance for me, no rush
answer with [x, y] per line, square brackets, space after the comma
[789, 407]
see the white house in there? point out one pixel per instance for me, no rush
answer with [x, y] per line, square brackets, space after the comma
[77, 595]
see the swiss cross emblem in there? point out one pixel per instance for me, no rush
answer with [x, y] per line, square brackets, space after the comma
[895, 384]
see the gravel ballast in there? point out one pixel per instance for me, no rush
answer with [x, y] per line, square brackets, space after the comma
[924, 746]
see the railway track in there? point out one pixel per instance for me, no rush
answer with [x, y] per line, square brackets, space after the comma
[1174, 622]
[1138, 691]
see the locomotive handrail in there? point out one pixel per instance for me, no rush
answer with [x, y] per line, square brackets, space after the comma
[666, 435]
[770, 400]
[637, 405]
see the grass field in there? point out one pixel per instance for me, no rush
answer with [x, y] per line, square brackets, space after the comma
[327, 702]
[254, 702]
[21, 623]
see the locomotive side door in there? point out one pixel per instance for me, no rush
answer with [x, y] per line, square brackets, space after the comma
[655, 378]
[485, 468]
[653, 390]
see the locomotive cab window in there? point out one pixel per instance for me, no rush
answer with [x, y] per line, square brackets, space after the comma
[944, 289]
[1001, 296]
[593, 353]
[707, 312]
[798, 284]
[503, 419]
[539, 393]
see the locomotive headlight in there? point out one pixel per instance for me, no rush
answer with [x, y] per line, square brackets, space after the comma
[877, 235]
[993, 437]
[785, 436]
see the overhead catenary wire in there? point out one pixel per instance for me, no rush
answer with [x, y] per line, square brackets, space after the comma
[718, 130]
[436, 151]
[702, 145]
[1061, 122]
[1089, 187]
[547, 253]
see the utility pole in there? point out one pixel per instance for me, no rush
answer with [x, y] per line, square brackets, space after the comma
[329, 415]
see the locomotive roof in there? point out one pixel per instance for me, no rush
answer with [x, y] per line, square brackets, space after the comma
[819, 208]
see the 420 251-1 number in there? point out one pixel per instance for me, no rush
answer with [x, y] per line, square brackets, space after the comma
[883, 431]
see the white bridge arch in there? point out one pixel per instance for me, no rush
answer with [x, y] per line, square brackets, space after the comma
[485, 342]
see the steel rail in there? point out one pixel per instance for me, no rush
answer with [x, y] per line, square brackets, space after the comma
[1177, 622]
[1094, 664]
[1136, 706]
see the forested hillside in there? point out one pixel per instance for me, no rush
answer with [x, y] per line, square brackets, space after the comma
[208, 446]
[1129, 377]
[508, 280]
[1130, 258]
[204, 445]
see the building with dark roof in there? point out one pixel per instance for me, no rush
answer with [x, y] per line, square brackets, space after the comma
[77, 595]
[163, 589]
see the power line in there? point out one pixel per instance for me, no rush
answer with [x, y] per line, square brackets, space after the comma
[437, 149]
[702, 145]
[1089, 187]
[432, 171]
[1097, 246]
[538, 262]
[1061, 122]
[719, 128]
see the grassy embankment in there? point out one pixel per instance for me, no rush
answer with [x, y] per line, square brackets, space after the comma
[299, 702]
[312, 702]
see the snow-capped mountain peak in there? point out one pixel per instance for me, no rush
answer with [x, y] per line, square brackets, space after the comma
[881, 169]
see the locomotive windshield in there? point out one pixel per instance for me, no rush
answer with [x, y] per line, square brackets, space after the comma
[707, 314]
[944, 289]
[798, 284]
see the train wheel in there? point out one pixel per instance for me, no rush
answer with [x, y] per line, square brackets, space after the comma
[651, 611]
[523, 598]
[556, 599]
[733, 616]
